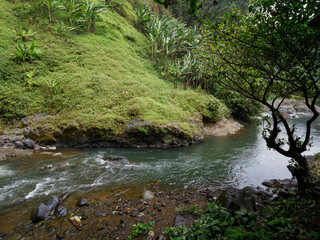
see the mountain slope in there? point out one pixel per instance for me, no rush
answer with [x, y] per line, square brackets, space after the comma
[92, 85]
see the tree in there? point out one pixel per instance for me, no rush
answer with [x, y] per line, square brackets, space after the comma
[270, 51]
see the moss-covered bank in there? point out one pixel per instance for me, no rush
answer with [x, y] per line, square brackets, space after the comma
[92, 85]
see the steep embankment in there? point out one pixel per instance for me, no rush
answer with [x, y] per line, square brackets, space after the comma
[87, 88]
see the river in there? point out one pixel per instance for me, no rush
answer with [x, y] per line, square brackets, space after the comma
[235, 160]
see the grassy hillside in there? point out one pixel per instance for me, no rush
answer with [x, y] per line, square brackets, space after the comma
[96, 81]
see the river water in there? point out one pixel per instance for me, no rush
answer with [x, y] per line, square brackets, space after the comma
[235, 160]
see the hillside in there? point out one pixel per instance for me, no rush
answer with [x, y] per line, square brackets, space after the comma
[92, 86]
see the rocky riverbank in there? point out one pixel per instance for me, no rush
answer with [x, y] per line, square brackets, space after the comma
[138, 134]
[111, 214]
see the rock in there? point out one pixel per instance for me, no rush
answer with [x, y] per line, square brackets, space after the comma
[36, 147]
[185, 219]
[234, 199]
[57, 154]
[147, 195]
[8, 145]
[162, 237]
[28, 143]
[118, 160]
[61, 211]
[82, 202]
[19, 144]
[40, 213]
[46, 153]
[52, 202]
[48, 168]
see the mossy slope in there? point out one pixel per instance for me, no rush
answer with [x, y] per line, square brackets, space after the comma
[101, 81]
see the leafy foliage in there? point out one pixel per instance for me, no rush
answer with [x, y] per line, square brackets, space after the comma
[25, 49]
[82, 14]
[270, 51]
[172, 44]
[139, 229]
[110, 69]
[284, 219]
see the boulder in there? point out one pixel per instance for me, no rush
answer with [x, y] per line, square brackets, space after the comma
[234, 199]
[43, 211]
[185, 219]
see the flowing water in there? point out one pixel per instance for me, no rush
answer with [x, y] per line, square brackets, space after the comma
[235, 160]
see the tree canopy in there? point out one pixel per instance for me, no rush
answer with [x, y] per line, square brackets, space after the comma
[270, 52]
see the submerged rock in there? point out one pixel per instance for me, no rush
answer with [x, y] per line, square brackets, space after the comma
[118, 160]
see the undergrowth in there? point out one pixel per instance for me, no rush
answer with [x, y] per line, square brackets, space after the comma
[294, 218]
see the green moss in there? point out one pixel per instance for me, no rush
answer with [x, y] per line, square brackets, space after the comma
[103, 80]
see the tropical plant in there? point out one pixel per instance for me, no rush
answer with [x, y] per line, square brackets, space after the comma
[172, 43]
[25, 52]
[90, 11]
[49, 6]
[23, 35]
[143, 17]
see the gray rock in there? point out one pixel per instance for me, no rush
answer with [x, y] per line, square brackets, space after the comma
[52, 202]
[234, 199]
[61, 211]
[185, 219]
[82, 202]
[40, 213]
[8, 145]
[37, 147]
[28, 143]
[19, 144]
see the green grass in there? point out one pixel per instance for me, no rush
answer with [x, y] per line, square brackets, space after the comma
[103, 80]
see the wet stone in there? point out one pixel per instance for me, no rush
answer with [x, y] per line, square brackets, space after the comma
[40, 213]
[82, 202]
[52, 202]
[61, 211]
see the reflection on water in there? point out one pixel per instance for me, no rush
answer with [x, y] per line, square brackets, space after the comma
[237, 160]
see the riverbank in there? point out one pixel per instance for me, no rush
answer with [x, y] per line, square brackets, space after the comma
[112, 213]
